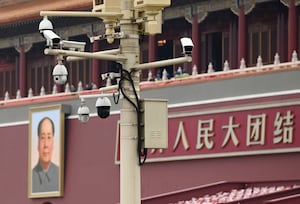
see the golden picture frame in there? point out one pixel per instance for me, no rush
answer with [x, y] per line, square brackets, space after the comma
[46, 151]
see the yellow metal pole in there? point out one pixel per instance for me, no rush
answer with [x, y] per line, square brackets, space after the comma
[130, 182]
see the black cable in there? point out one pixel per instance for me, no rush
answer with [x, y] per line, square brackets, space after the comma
[138, 110]
[142, 152]
[116, 98]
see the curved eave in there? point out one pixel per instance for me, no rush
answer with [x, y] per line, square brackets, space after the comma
[31, 10]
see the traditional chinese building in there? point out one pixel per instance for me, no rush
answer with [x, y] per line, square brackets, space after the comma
[233, 121]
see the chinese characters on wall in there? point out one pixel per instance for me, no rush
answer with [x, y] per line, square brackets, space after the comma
[240, 131]
[229, 132]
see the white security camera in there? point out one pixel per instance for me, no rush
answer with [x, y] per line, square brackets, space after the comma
[60, 73]
[187, 45]
[110, 75]
[103, 107]
[45, 24]
[46, 29]
[105, 76]
[83, 112]
[51, 38]
[73, 45]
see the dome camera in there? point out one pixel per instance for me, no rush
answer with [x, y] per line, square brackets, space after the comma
[46, 29]
[103, 107]
[60, 74]
[187, 45]
[45, 24]
[83, 112]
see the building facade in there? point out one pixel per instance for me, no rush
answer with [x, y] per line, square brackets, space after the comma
[221, 30]
[223, 126]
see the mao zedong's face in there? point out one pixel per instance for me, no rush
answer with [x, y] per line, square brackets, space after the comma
[45, 146]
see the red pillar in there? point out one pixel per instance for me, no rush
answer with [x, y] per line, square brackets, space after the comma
[196, 40]
[22, 72]
[95, 66]
[241, 35]
[152, 44]
[281, 34]
[292, 29]
[233, 44]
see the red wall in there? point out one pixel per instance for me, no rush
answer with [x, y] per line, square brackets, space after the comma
[91, 175]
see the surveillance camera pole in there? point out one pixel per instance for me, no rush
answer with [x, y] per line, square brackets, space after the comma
[130, 182]
[128, 55]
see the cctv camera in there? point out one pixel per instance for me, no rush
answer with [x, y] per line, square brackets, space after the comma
[103, 107]
[83, 112]
[187, 45]
[73, 45]
[51, 38]
[111, 75]
[105, 76]
[60, 74]
[45, 24]
[46, 29]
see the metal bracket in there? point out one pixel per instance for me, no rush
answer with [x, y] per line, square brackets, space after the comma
[117, 35]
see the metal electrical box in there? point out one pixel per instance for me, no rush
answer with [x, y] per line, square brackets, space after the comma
[106, 6]
[154, 26]
[155, 123]
[151, 4]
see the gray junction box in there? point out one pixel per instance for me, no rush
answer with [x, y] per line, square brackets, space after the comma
[155, 123]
